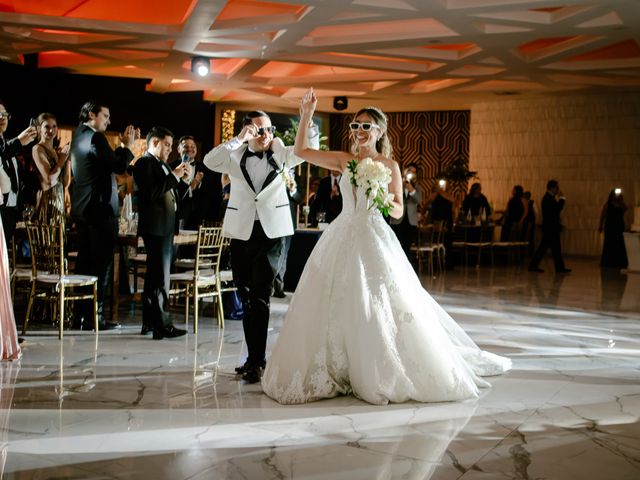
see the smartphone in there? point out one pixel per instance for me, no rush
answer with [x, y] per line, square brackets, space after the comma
[32, 122]
[442, 183]
[185, 158]
[618, 191]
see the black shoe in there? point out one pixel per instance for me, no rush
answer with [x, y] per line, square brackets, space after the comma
[168, 332]
[253, 374]
[241, 370]
[279, 294]
[20, 340]
[107, 325]
[564, 270]
[146, 329]
[536, 269]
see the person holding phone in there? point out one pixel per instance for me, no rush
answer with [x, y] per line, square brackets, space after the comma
[614, 252]
[9, 150]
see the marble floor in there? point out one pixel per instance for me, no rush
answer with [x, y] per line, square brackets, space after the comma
[123, 406]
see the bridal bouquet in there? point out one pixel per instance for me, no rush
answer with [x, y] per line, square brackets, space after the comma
[375, 178]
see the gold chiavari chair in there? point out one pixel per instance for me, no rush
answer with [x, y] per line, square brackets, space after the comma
[51, 280]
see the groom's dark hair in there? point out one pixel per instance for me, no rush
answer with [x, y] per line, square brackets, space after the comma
[247, 120]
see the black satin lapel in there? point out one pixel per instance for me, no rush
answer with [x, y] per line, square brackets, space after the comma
[243, 167]
[272, 174]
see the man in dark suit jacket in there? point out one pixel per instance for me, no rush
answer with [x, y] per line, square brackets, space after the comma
[197, 192]
[94, 203]
[328, 199]
[552, 204]
[157, 224]
[8, 150]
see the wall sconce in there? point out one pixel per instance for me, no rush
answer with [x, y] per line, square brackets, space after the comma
[201, 66]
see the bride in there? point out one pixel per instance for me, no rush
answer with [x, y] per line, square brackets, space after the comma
[360, 321]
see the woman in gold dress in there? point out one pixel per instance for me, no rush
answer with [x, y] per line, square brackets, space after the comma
[54, 171]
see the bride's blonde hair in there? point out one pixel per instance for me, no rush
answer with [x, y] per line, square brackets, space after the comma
[383, 145]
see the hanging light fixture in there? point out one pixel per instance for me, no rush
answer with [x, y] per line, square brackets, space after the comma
[200, 66]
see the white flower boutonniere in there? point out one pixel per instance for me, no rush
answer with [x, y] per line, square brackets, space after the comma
[375, 178]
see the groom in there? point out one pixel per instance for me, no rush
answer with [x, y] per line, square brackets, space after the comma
[257, 219]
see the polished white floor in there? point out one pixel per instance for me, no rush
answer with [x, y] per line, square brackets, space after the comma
[127, 407]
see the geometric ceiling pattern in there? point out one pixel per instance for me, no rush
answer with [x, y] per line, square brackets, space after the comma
[400, 54]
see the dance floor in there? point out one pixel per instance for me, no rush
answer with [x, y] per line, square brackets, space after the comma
[123, 406]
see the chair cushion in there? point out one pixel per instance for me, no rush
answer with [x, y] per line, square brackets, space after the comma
[71, 280]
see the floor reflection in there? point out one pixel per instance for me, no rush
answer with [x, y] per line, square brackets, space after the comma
[120, 405]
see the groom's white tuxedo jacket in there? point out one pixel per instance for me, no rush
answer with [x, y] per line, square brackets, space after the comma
[270, 202]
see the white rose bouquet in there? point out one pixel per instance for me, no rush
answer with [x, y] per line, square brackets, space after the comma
[375, 178]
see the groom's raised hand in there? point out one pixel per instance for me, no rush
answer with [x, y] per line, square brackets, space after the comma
[248, 132]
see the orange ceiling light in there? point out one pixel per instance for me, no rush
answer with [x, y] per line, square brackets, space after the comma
[617, 51]
[237, 9]
[168, 12]
[541, 44]
[64, 58]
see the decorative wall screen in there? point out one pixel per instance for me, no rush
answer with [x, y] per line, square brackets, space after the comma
[432, 140]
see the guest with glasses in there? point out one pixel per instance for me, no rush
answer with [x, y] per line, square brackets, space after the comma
[9, 150]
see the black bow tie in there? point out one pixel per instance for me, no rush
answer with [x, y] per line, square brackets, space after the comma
[259, 155]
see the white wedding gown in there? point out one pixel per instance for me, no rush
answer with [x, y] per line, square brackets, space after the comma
[360, 322]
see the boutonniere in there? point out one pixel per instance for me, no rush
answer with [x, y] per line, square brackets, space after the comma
[286, 174]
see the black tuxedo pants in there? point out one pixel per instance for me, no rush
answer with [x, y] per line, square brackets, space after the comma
[550, 240]
[155, 295]
[406, 234]
[96, 246]
[254, 263]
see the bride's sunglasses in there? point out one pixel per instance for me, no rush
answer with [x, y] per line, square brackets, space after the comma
[365, 126]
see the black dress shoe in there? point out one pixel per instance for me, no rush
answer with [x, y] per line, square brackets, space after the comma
[253, 374]
[168, 332]
[564, 270]
[146, 329]
[107, 325]
[241, 370]
[279, 294]
[536, 269]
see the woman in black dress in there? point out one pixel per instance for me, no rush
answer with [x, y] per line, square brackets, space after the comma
[614, 253]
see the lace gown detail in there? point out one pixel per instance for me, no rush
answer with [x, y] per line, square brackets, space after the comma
[360, 322]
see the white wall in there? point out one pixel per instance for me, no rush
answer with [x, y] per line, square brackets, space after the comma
[589, 143]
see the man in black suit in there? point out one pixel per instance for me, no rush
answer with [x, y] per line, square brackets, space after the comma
[94, 203]
[328, 199]
[157, 224]
[195, 191]
[552, 204]
[8, 150]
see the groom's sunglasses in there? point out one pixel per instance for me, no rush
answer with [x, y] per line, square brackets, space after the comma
[262, 130]
[365, 126]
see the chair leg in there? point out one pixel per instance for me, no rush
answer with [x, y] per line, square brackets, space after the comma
[195, 309]
[95, 308]
[32, 296]
[61, 312]
[220, 309]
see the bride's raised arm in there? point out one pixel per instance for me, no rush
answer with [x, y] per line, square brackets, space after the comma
[333, 160]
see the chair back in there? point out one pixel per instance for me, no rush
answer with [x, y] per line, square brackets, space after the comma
[439, 229]
[425, 235]
[209, 249]
[47, 248]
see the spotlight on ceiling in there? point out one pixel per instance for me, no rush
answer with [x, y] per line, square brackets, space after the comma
[201, 66]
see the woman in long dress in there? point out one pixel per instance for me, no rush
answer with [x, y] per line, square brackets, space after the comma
[9, 348]
[54, 171]
[360, 321]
